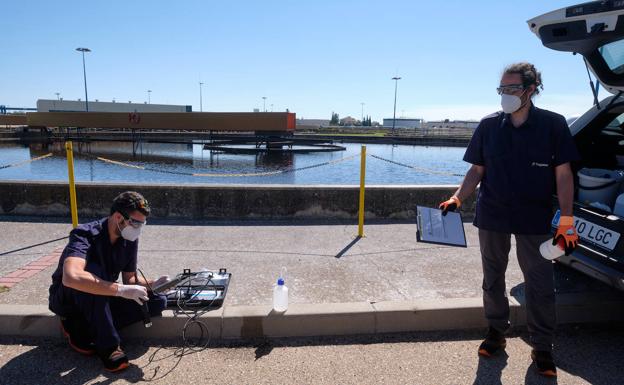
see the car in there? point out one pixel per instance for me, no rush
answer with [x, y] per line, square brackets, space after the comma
[595, 32]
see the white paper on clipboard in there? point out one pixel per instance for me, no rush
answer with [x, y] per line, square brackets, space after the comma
[432, 227]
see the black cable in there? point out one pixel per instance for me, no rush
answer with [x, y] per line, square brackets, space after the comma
[185, 307]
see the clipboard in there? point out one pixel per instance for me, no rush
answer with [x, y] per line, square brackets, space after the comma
[432, 227]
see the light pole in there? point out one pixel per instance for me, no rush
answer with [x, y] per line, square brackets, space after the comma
[362, 103]
[396, 82]
[84, 72]
[264, 103]
[58, 95]
[271, 107]
[201, 103]
[149, 96]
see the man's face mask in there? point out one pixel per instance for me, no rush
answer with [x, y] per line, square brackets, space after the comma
[132, 231]
[510, 100]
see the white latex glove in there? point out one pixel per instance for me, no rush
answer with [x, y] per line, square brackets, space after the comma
[161, 281]
[133, 292]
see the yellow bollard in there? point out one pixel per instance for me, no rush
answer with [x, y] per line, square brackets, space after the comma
[72, 186]
[362, 179]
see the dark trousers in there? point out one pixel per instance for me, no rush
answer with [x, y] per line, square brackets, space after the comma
[538, 278]
[103, 316]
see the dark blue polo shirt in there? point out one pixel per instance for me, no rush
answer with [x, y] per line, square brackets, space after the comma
[519, 181]
[91, 241]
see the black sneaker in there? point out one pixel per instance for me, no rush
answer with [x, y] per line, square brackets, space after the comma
[77, 336]
[494, 341]
[544, 363]
[114, 359]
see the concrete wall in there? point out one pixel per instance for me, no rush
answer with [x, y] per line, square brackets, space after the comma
[227, 201]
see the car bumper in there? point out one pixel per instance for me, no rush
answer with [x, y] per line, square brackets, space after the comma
[580, 261]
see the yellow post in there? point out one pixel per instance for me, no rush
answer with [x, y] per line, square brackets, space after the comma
[72, 186]
[362, 179]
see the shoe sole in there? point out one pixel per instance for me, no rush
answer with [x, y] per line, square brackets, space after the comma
[545, 373]
[119, 368]
[76, 348]
[485, 353]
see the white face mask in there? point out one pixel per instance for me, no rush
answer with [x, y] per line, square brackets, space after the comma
[130, 233]
[510, 103]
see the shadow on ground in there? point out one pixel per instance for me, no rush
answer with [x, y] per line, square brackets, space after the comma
[591, 352]
[52, 362]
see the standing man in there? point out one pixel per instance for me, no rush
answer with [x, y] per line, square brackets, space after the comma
[521, 156]
[85, 293]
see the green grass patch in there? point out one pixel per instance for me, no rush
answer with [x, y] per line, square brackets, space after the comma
[3, 289]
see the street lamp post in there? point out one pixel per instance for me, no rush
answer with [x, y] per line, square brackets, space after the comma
[84, 72]
[362, 103]
[58, 95]
[396, 82]
[264, 103]
[201, 103]
[271, 107]
[149, 96]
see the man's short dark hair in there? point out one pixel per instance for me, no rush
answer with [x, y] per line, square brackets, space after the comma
[528, 74]
[129, 201]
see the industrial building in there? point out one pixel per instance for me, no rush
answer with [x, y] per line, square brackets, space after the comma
[470, 124]
[60, 105]
[403, 123]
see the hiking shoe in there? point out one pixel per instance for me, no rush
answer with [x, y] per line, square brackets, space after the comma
[114, 359]
[544, 363]
[494, 341]
[77, 336]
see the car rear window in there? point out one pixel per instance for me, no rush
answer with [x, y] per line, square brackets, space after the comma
[613, 54]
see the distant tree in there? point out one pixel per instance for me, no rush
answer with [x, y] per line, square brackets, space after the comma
[335, 119]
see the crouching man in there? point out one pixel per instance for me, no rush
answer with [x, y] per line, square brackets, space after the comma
[85, 293]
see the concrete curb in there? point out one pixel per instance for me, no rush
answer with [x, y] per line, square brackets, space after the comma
[240, 322]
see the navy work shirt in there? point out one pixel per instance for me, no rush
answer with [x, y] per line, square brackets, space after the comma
[91, 241]
[519, 181]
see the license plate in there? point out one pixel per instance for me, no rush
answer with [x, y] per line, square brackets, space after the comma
[592, 233]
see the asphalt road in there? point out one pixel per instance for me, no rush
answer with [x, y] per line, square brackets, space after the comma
[585, 355]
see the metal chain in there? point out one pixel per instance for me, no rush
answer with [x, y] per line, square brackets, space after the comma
[424, 170]
[25, 161]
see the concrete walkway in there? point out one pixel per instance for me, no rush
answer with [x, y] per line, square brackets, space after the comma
[325, 262]
[384, 282]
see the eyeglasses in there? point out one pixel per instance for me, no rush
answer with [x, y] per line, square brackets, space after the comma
[510, 89]
[133, 222]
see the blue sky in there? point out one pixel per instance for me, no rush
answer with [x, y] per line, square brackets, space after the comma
[312, 57]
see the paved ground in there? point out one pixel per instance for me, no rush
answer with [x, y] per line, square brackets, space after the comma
[586, 355]
[388, 264]
[325, 262]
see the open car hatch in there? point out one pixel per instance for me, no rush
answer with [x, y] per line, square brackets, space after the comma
[594, 30]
